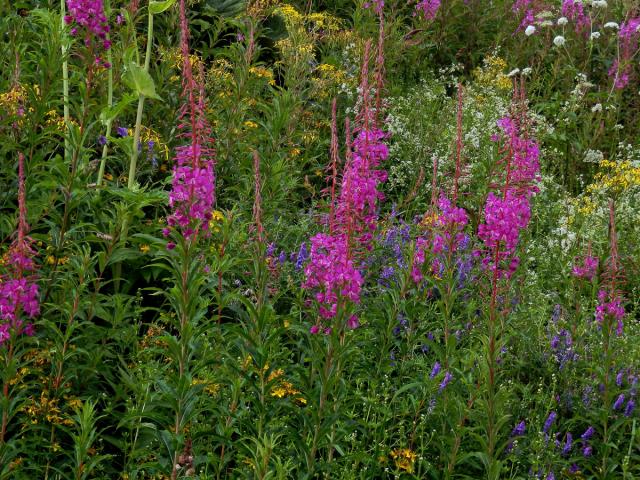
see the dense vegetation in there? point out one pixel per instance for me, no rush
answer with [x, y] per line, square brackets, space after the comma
[319, 239]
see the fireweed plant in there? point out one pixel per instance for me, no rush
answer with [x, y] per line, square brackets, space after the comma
[391, 263]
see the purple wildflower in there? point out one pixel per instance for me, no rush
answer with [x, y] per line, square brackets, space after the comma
[435, 370]
[567, 444]
[628, 410]
[445, 381]
[617, 405]
[549, 422]
[588, 433]
[519, 429]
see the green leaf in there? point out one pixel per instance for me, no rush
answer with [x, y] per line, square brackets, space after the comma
[140, 81]
[110, 113]
[156, 7]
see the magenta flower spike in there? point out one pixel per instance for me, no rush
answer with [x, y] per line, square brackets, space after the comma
[192, 196]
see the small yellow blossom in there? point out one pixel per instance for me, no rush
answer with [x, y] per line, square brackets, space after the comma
[491, 74]
[144, 248]
[404, 459]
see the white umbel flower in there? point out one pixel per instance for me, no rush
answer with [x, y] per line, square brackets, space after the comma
[596, 108]
[563, 21]
[530, 30]
[559, 41]
[595, 35]
[613, 25]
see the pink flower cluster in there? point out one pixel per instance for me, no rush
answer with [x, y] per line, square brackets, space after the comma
[19, 294]
[506, 215]
[528, 9]
[191, 196]
[331, 273]
[193, 185]
[628, 38]
[610, 305]
[447, 236]
[524, 164]
[89, 15]
[428, 8]
[500, 232]
[356, 212]
[574, 11]
[588, 268]
[378, 5]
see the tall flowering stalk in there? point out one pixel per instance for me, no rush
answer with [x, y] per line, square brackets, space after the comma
[628, 38]
[507, 213]
[333, 272]
[192, 199]
[19, 298]
[192, 196]
[610, 315]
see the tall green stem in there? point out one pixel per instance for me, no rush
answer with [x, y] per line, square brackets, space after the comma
[103, 160]
[65, 80]
[136, 134]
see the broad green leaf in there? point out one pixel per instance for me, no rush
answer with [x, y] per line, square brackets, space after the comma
[156, 6]
[140, 81]
[110, 113]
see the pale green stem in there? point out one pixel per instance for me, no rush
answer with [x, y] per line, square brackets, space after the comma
[103, 161]
[65, 80]
[136, 134]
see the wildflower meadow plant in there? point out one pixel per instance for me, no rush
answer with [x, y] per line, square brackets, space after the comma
[254, 240]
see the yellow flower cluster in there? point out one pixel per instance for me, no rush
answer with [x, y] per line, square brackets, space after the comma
[220, 70]
[173, 57]
[261, 8]
[284, 388]
[616, 177]
[328, 77]
[49, 409]
[289, 14]
[13, 101]
[51, 260]
[324, 21]
[262, 72]
[297, 49]
[209, 387]
[492, 73]
[429, 219]
[55, 120]
[404, 459]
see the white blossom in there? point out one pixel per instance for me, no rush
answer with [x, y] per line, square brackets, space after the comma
[563, 21]
[559, 41]
[613, 25]
[530, 30]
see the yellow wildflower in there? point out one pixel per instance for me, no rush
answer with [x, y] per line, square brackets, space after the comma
[144, 248]
[491, 74]
[404, 459]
